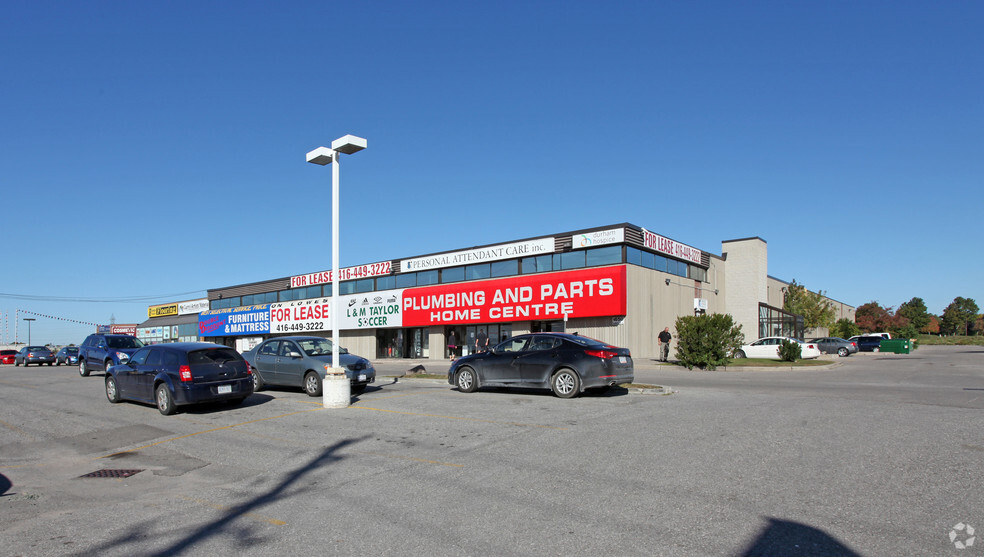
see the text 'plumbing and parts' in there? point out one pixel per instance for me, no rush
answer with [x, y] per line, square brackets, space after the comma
[551, 296]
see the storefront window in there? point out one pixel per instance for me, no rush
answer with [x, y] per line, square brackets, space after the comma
[222, 303]
[480, 271]
[365, 285]
[386, 283]
[454, 274]
[505, 268]
[572, 260]
[604, 256]
[538, 264]
[406, 280]
[346, 287]
[427, 277]
[633, 256]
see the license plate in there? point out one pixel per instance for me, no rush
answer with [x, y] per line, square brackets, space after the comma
[362, 377]
[623, 360]
[225, 389]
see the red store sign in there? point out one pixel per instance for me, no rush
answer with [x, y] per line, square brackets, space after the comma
[543, 297]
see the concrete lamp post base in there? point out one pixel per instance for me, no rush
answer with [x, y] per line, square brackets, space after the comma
[336, 388]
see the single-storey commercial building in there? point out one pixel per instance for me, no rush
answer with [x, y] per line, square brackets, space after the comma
[621, 284]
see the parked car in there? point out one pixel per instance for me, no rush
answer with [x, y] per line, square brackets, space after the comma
[34, 355]
[835, 345]
[768, 348]
[180, 373]
[69, 355]
[867, 343]
[7, 356]
[100, 351]
[568, 364]
[300, 361]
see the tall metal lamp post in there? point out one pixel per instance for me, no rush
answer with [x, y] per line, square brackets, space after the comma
[322, 155]
[29, 319]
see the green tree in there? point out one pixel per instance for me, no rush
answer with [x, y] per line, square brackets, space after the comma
[707, 341]
[813, 306]
[844, 328]
[959, 316]
[915, 311]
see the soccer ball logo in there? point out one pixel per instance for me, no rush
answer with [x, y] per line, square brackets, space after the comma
[964, 531]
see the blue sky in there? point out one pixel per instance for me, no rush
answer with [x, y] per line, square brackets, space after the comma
[154, 150]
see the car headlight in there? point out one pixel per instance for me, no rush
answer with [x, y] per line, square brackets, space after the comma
[122, 357]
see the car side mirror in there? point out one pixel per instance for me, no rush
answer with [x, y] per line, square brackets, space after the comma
[344, 351]
[294, 354]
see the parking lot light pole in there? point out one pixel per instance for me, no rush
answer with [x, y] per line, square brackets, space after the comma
[29, 319]
[347, 144]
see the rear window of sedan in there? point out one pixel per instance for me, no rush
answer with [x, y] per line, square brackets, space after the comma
[213, 356]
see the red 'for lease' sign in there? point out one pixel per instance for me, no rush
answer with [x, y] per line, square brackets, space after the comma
[542, 297]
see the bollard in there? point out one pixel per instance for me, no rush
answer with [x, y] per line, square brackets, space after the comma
[336, 388]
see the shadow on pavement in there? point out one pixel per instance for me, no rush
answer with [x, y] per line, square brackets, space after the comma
[784, 537]
[225, 523]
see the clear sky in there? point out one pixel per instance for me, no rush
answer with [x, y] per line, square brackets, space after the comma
[150, 151]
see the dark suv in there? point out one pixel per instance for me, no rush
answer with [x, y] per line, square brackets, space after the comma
[99, 351]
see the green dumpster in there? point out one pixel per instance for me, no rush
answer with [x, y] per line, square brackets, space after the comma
[896, 345]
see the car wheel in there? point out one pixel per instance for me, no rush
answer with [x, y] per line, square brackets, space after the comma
[875, 349]
[16, 363]
[57, 362]
[165, 402]
[358, 389]
[312, 384]
[257, 381]
[739, 354]
[842, 352]
[83, 369]
[107, 364]
[466, 380]
[565, 383]
[112, 392]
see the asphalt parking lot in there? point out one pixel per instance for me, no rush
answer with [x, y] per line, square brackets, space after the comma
[870, 456]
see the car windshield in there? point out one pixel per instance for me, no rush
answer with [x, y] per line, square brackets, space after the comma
[316, 346]
[123, 342]
[72, 350]
[37, 349]
[8, 352]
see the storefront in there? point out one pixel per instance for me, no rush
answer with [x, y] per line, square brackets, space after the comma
[174, 322]
[621, 284]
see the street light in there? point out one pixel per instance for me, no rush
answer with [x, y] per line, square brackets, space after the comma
[29, 319]
[347, 144]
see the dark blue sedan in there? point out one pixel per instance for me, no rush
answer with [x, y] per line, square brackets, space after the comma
[181, 373]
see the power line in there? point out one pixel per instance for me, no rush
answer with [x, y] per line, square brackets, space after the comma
[80, 299]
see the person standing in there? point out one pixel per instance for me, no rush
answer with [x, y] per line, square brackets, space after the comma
[664, 344]
[452, 344]
[481, 341]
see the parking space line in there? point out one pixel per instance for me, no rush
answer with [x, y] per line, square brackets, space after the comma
[519, 424]
[214, 429]
[219, 507]
[12, 427]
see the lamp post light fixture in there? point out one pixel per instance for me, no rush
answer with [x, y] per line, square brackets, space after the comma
[29, 319]
[347, 144]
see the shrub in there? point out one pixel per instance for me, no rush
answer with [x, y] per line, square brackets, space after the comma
[707, 341]
[790, 351]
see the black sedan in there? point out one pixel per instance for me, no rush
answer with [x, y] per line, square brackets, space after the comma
[34, 355]
[568, 364]
[180, 373]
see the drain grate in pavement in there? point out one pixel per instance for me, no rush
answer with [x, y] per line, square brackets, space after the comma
[110, 473]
